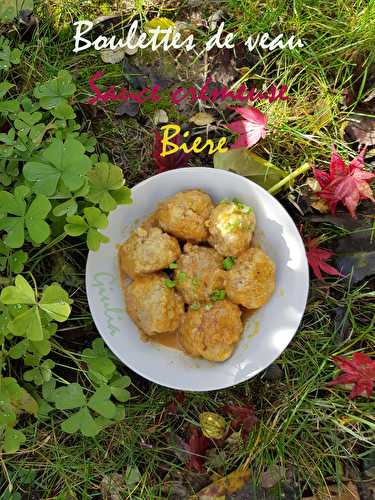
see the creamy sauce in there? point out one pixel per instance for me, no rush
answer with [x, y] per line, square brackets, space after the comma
[167, 340]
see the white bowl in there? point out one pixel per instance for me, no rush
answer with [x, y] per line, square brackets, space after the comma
[267, 332]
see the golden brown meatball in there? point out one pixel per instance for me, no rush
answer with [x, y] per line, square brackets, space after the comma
[147, 251]
[251, 281]
[212, 331]
[185, 213]
[196, 272]
[153, 306]
[231, 226]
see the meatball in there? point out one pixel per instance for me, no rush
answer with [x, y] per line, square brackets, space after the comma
[148, 250]
[184, 215]
[196, 272]
[231, 226]
[251, 281]
[153, 306]
[212, 331]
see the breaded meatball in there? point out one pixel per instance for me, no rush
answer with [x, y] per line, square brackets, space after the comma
[147, 251]
[251, 281]
[196, 271]
[231, 226]
[184, 215]
[212, 331]
[153, 306]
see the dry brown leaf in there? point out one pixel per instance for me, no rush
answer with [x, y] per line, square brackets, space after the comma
[201, 119]
[112, 487]
[225, 486]
[160, 116]
[349, 491]
[320, 205]
[272, 476]
[112, 56]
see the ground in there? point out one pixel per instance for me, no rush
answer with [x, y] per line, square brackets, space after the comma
[308, 436]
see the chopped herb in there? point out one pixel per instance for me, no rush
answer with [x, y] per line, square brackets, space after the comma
[169, 283]
[173, 265]
[244, 208]
[208, 307]
[218, 295]
[195, 306]
[181, 277]
[228, 263]
[231, 226]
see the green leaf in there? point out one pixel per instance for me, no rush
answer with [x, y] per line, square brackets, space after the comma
[60, 160]
[63, 111]
[9, 9]
[15, 228]
[56, 91]
[83, 421]
[13, 439]
[40, 374]
[17, 260]
[104, 179]
[21, 293]
[38, 229]
[246, 163]
[14, 203]
[76, 225]
[4, 88]
[94, 239]
[55, 302]
[69, 397]
[132, 476]
[28, 324]
[97, 359]
[95, 218]
[48, 390]
[121, 395]
[100, 402]
[68, 207]
[122, 196]
[19, 350]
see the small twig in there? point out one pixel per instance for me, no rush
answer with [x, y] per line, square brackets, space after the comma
[276, 187]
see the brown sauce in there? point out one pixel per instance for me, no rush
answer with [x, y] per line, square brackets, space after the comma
[167, 340]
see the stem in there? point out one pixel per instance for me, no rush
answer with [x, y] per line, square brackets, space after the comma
[276, 187]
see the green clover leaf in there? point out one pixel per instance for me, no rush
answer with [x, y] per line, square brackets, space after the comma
[56, 91]
[97, 359]
[63, 161]
[5, 86]
[8, 56]
[40, 374]
[106, 180]
[100, 402]
[13, 439]
[69, 397]
[27, 323]
[26, 121]
[13, 260]
[63, 111]
[83, 421]
[93, 220]
[31, 217]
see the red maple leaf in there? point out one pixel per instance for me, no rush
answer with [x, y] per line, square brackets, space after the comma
[196, 447]
[317, 258]
[244, 416]
[360, 371]
[178, 159]
[347, 184]
[250, 129]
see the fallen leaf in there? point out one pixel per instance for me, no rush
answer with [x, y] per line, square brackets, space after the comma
[201, 119]
[243, 417]
[179, 399]
[348, 491]
[178, 159]
[345, 184]
[129, 108]
[214, 19]
[317, 258]
[251, 129]
[227, 485]
[361, 129]
[355, 255]
[112, 487]
[249, 165]
[112, 56]
[160, 116]
[320, 205]
[159, 22]
[213, 425]
[359, 371]
[132, 476]
[141, 76]
[196, 447]
[273, 475]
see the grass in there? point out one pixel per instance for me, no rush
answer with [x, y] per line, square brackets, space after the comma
[316, 433]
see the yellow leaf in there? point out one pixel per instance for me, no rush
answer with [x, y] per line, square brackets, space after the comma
[225, 486]
[25, 403]
[213, 426]
[159, 22]
[202, 119]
